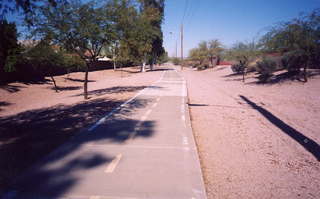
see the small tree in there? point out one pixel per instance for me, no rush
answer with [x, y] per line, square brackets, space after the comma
[154, 11]
[147, 34]
[266, 67]
[44, 58]
[79, 28]
[199, 54]
[299, 39]
[244, 53]
[205, 52]
[9, 48]
[214, 50]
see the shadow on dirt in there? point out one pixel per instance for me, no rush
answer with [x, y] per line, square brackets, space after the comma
[159, 69]
[232, 75]
[309, 144]
[16, 88]
[66, 88]
[11, 88]
[29, 136]
[77, 80]
[274, 79]
[3, 103]
[198, 104]
[115, 89]
[39, 81]
[279, 78]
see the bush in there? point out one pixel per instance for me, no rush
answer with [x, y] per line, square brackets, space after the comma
[238, 68]
[40, 61]
[266, 67]
[294, 60]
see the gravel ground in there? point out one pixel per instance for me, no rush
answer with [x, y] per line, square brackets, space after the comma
[256, 141]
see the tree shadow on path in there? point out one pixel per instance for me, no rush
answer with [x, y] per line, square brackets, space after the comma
[30, 136]
[309, 144]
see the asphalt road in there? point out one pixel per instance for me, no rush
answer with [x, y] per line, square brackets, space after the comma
[145, 149]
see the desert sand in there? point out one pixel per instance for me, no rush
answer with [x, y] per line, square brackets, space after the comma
[255, 140]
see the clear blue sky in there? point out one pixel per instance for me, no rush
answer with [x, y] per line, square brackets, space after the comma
[227, 20]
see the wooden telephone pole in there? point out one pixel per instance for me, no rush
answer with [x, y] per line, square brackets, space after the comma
[181, 45]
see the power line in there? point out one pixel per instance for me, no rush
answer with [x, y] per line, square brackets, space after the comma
[193, 14]
[185, 10]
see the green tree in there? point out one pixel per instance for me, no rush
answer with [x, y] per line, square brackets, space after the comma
[154, 9]
[80, 28]
[45, 59]
[214, 50]
[206, 50]
[244, 53]
[301, 35]
[28, 7]
[138, 31]
[9, 48]
[198, 54]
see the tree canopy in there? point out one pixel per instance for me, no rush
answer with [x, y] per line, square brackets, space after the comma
[298, 40]
[9, 47]
[133, 32]
[206, 50]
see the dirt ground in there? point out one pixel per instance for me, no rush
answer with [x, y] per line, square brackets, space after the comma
[254, 140]
[18, 97]
[34, 119]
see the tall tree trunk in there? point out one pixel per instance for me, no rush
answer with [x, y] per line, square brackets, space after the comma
[143, 67]
[305, 75]
[243, 74]
[218, 61]
[68, 74]
[54, 83]
[114, 60]
[153, 62]
[114, 65]
[85, 85]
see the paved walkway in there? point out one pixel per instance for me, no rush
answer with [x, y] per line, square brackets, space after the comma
[143, 150]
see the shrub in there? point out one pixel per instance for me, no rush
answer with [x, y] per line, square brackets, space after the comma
[203, 66]
[266, 67]
[294, 60]
[238, 68]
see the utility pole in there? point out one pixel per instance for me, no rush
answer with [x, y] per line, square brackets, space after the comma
[176, 48]
[181, 45]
